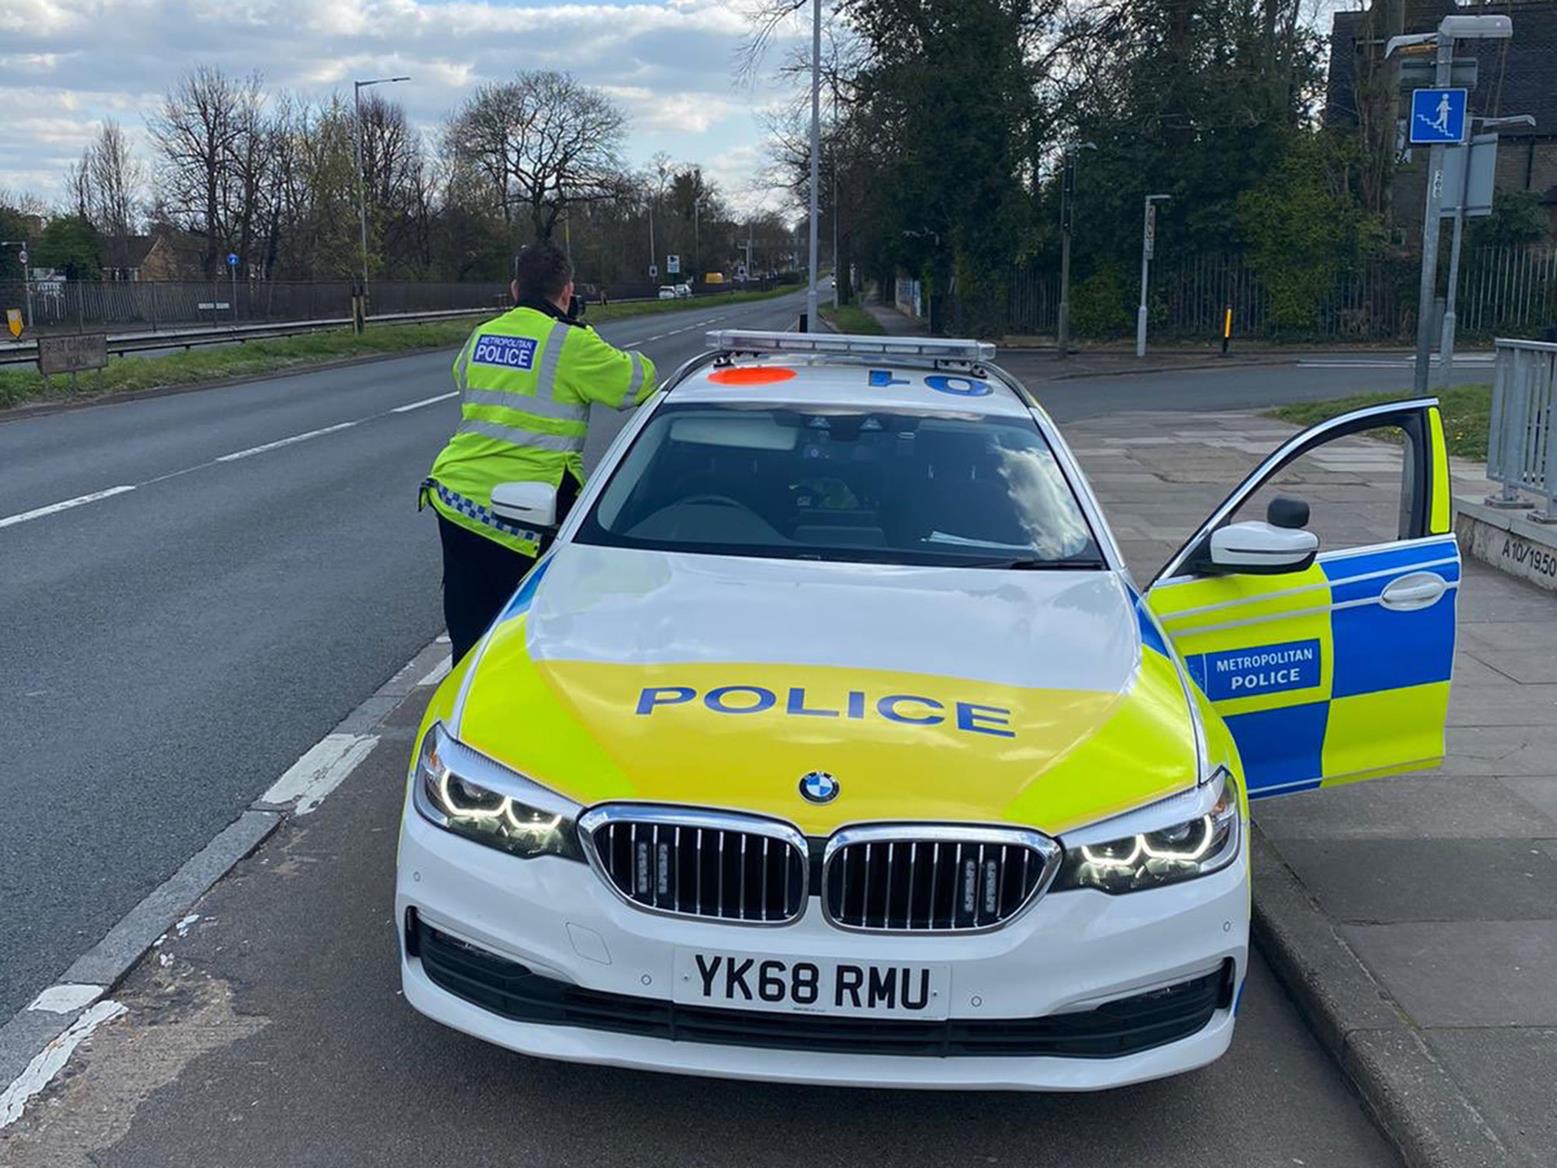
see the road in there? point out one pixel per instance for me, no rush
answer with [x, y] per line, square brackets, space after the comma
[170, 649]
[173, 647]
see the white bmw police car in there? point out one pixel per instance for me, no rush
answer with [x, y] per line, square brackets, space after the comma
[832, 741]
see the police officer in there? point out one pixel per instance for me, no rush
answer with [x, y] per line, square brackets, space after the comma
[526, 380]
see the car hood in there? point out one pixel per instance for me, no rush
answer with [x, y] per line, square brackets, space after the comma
[929, 693]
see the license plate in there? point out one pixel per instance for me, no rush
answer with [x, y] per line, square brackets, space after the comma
[746, 981]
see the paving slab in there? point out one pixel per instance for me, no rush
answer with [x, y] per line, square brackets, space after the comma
[1439, 879]
[1485, 973]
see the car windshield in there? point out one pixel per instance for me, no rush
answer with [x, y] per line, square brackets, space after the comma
[872, 486]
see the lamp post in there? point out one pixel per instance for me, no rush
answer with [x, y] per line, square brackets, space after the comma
[1148, 245]
[362, 184]
[21, 253]
[1450, 29]
[816, 150]
[1067, 212]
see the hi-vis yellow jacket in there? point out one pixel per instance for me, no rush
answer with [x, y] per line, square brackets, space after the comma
[526, 381]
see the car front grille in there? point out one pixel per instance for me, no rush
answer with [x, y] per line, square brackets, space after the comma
[700, 863]
[913, 878]
[1114, 1029]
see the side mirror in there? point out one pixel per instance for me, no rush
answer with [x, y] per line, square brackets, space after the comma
[1262, 548]
[527, 504]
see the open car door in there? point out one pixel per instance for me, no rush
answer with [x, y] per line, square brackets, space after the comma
[1328, 665]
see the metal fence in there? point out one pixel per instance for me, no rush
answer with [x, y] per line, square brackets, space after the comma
[91, 305]
[80, 305]
[1521, 449]
[1503, 290]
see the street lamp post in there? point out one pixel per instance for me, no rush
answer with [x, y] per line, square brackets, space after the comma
[1451, 28]
[816, 150]
[1148, 245]
[1067, 213]
[362, 183]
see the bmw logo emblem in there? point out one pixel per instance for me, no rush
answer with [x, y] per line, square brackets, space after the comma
[818, 787]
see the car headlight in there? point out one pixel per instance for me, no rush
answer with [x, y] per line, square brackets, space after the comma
[1181, 851]
[503, 809]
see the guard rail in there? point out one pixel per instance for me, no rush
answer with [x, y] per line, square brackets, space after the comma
[187, 338]
[1521, 450]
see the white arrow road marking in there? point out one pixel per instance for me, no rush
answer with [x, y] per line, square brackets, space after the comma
[51, 1059]
[63, 505]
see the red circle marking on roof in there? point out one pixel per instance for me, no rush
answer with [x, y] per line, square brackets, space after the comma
[751, 375]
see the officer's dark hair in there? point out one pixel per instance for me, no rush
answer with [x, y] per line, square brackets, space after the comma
[542, 271]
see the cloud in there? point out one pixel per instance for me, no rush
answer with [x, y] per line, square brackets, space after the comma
[67, 64]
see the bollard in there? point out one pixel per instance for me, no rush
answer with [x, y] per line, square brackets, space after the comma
[1227, 328]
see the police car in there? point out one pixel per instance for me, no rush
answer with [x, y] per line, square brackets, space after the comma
[832, 741]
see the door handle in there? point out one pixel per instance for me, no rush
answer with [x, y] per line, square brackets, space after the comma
[1418, 590]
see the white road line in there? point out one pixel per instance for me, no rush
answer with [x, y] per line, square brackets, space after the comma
[63, 505]
[280, 442]
[321, 769]
[66, 998]
[438, 672]
[49, 1061]
[426, 401]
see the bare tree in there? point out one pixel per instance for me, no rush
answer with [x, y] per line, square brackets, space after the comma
[544, 143]
[205, 134]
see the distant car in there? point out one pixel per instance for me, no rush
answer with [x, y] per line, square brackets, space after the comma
[667, 292]
[683, 291]
[591, 293]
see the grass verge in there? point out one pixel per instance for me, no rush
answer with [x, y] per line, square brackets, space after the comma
[255, 358]
[1467, 412]
[851, 318]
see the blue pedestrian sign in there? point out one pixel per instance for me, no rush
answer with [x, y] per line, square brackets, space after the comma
[232, 259]
[1437, 115]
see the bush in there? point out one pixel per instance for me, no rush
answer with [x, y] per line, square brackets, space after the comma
[1100, 305]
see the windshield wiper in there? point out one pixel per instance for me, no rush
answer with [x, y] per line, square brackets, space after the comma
[1035, 564]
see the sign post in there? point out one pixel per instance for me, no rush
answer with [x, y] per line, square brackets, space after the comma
[72, 353]
[673, 265]
[1148, 249]
[1439, 118]
[232, 267]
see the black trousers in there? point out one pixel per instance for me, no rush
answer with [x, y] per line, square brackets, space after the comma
[479, 575]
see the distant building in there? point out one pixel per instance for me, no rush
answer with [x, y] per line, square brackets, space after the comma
[163, 255]
[1517, 76]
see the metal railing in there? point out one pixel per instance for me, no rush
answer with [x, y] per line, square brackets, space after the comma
[119, 344]
[1521, 449]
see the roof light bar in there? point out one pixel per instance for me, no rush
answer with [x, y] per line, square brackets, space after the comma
[840, 344]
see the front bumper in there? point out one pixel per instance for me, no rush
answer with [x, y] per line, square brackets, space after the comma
[551, 930]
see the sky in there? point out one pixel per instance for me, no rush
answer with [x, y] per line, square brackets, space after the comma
[65, 65]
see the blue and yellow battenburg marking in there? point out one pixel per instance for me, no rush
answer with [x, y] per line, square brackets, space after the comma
[1318, 681]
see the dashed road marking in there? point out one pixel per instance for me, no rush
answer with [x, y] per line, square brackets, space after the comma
[63, 505]
[426, 401]
[280, 442]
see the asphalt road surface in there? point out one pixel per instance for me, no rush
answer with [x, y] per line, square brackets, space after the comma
[167, 651]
